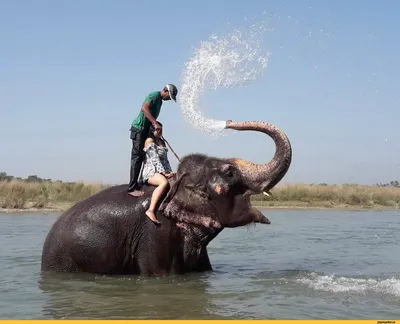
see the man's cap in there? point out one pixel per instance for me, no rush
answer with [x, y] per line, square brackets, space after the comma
[172, 90]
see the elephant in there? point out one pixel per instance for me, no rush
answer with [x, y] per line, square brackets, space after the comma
[108, 232]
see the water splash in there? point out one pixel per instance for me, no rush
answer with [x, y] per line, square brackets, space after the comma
[332, 283]
[229, 61]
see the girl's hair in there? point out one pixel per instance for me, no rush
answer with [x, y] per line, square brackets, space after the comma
[151, 134]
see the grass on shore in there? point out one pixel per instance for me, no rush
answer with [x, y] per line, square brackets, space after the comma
[20, 194]
[331, 196]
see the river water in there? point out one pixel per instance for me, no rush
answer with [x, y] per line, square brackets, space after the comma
[305, 265]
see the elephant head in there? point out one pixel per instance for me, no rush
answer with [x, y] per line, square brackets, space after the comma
[215, 192]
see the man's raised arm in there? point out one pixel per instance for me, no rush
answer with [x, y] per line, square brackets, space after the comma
[146, 111]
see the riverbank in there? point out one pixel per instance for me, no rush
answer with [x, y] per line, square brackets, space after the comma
[46, 196]
[288, 206]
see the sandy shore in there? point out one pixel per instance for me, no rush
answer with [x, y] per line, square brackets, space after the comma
[29, 210]
[320, 205]
[53, 208]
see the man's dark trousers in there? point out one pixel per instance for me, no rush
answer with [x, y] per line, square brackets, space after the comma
[138, 138]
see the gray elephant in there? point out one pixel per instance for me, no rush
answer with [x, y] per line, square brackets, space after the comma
[108, 233]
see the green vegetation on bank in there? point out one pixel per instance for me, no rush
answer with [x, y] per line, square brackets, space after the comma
[36, 193]
[17, 194]
[348, 196]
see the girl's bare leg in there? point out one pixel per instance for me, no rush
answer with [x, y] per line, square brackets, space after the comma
[161, 182]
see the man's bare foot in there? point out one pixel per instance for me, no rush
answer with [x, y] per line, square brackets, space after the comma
[150, 214]
[136, 193]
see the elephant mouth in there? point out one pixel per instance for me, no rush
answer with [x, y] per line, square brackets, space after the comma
[245, 214]
[258, 217]
[255, 214]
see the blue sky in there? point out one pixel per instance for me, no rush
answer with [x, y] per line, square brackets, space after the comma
[73, 75]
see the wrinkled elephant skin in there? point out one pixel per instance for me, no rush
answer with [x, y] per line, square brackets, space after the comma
[109, 233]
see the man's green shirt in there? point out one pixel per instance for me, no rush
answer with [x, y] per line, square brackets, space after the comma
[141, 122]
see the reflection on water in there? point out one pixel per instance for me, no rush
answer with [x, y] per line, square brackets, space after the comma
[87, 296]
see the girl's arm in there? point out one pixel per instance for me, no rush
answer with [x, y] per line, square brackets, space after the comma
[168, 166]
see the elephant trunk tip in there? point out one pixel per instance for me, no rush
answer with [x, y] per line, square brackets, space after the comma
[228, 123]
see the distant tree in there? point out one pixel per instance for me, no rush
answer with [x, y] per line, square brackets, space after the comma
[33, 178]
[5, 177]
[394, 183]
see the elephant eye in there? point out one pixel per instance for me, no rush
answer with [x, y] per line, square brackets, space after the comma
[227, 170]
[229, 173]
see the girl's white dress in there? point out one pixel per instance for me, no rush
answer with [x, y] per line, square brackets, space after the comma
[155, 161]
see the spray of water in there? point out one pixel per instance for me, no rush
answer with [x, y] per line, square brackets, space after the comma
[229, 61]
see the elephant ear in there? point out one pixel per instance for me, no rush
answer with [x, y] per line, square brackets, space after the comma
[189, 204]
[171, 193]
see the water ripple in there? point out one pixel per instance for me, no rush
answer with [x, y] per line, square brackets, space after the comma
[305, 265]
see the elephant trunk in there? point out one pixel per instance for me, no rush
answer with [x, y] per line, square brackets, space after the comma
[262, 178]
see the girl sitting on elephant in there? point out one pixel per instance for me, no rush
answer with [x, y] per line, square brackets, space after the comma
[156, 168]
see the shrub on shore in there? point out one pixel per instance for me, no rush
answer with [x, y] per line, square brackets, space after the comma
[353, 195]
[34, 192]
[21, 194]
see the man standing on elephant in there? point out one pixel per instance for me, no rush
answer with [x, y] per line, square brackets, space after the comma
[140, 128]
